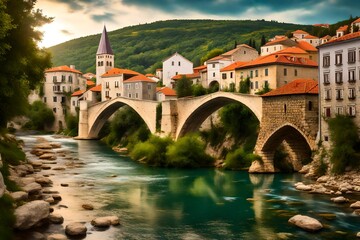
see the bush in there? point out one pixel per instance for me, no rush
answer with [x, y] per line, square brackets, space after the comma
[153, 151]
[72, 125]
[239, 159]
[345, 147]
[7, 219]
[198, 90]
[40, 116]
[188, 152]
[281, 161]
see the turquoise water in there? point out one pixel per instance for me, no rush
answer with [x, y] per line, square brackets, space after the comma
[155, 203]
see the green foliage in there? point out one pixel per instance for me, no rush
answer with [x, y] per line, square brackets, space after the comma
[345, 147]
[322, 168]
[188, 152]
[245, 86]
[125, 123]
[153, 151]
[7, 219]
[72, 125]
[239, 159]
[183, 87]
[281, 161]
[265, 89]
[198, 90]
[10, 153]
[213, 53]
[39, 116]
[22, 62]
[144, 47]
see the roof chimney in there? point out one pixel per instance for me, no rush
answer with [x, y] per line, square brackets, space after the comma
[72, 66]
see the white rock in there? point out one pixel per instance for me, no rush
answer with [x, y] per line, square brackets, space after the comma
[32, 188]
[31, 213]
[44, 145]
[57, 237]
[75, 229]
[114, 220]
[50, 156]
[26, 180]
[19, 196]
[303, 187]
[355, 205]
[306, 223]
[2, 185]
[358, 235]
[340, 199]
[323, 179]
[43, 181]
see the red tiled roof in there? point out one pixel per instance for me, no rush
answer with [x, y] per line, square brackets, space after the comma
[276, 41]
[356, 21]
[233, 66]
[326, 25]
[149, 75]
[77, 93]
[166, 91]
[220, 57]
[343, 38]
[298, 86]
[96, 88]
[327, 37]
[62, 69]
[118, 71]
[280, 59]
[139, 78]
[292, 50]
[310, 37]
[189, 76]
[306, 46]
[342, 28]
[90, 83]
[199, 68]
[299, 32]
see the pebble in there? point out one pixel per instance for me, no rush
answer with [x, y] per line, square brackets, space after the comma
[88, 206]
[64, 184]
[75, 229]
[57, 237]
[56, 218]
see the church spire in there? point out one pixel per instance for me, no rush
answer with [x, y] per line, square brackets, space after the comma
[104, 44]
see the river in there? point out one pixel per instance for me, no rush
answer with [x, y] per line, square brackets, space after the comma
[156, 203]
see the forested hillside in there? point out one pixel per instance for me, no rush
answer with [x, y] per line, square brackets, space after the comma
[143, 47]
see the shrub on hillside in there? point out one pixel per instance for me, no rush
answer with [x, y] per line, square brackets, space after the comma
[188, 152]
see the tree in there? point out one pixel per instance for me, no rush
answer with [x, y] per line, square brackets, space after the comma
[22, 61]
[213, 53]
[245, 86]
[183, 87]
[263, 40]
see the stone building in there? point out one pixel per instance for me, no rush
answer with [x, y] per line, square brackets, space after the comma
[140, 87]
[339, 73]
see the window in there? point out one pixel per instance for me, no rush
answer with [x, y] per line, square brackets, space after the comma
[256, 73]
[339, 110]
[136, 85]
[223, 76]
[129, 95]
[54, 99]
[179, 63]
[54, 79]
[106, 93]
[149, 86]
[63, 99]
[251, 85]
[172, 63]
[213, 65]
[338, 77]
[116, 84]
[326, 138]
[44, 99]
[352, 93]
[266, 72]
[351, 110]
[54, 110]
[107, 84]
[327, 94]
[310, 105]
[70, 89]
[251, 74]
[326, 78]
[326, 61]
[285, 71]
[285, 108]
[136, 95]
[327, 111]
[295, 72]
[213, 74]
[256, 85]
[73, 103]
[231, 74]
[70, 79]
[339, 94]
[118, 94]
[352, 75]
[63, 88]
[338, 59]
[63, 78]
[351, 56]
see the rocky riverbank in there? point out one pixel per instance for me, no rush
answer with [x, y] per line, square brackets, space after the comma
[45, 207]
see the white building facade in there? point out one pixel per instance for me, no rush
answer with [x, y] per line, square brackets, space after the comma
[174, 65]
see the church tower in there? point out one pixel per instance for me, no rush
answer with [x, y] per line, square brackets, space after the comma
[104, 57]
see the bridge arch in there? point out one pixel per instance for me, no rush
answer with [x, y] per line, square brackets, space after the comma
[193, 112]
[299, 145]
[99, 113]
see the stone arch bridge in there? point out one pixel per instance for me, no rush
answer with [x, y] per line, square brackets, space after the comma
[185, 115]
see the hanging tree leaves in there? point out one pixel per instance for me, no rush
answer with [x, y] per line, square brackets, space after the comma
[22, 61]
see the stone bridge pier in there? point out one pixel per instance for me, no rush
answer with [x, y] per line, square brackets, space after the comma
[291, 120]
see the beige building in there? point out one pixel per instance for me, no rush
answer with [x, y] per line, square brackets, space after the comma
[276, 71]
[59, 83]
[339, 72]
[140, 87]
[228, 80]
[165, 93]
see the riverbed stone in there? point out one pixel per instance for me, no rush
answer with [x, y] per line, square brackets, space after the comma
[323, 179]
[101, 222]
[55, 145]
[114, 220]
[19, 196]
[36, 163]
[303, 187]
[357, 212]
[45, 167]
[26, 180]
[49, 199]
[30, 214]
[75, 229]
[64, 184]
[57, 236]
[50, 156]
[59, 168]
[358, 235]
[44, 145]
[56, 218]
[339, 199]
[43, 181]
[36, 236]
[355, 205]
[305, 222]
[2, 185]
[56, 197]
[87, 206]
[32, 188]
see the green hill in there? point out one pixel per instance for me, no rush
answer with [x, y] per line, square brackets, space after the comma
[143, 47]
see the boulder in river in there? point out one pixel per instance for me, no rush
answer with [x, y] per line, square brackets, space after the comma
[30, 214]
[307, 223]
[339, 199]
[355, 205]
[2, 185]
[75, 229]
[57, 236]
[32, 188]
[19, 196]
[56, 218]
[87, 206]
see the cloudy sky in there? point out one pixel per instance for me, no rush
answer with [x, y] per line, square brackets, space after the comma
[78, 18]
